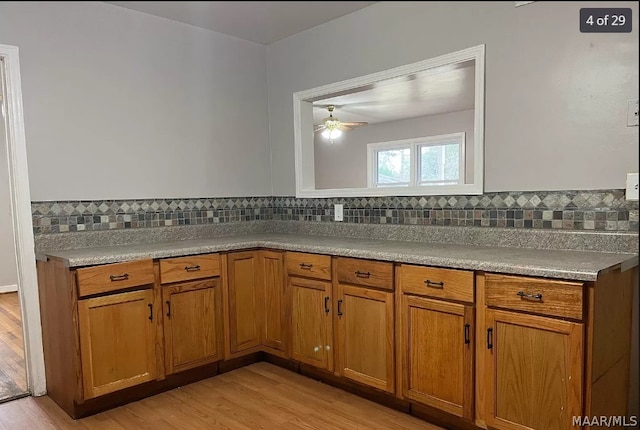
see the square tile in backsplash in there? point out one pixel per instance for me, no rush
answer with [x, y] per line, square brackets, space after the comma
[568, 210]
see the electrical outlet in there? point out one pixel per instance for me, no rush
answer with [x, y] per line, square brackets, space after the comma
[632, 114]
[338, 212]
[632, 186]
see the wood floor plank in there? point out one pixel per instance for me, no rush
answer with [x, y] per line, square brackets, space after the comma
[13, 376]
[259, 396]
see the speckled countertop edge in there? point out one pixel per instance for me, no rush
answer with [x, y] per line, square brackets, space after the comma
[571, 265]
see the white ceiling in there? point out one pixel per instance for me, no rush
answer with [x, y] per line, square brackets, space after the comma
[259, 21]
[445, 90]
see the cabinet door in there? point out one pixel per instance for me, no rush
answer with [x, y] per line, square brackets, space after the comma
[311, 337]
[534, 371]
[193, 324]
[245, 310]
[117, 341]
[365, 336]
[437, 354]
[275, 316]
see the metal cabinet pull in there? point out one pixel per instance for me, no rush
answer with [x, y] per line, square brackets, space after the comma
[115, 278]
[490, 338]
[360, 274]
[339, 310]
[467, 330]
[304, 266]
[326, 304]
[168, 308]
[192, 268]
[434, 284]
[150, 312]
[524, 295]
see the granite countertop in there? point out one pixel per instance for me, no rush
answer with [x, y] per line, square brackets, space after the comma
[573, 265]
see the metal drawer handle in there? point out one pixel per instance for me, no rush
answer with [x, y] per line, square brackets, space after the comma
[192, 268]
[168, 308]
[326, 304]
[490, 338]
[467, 329]
[360, 274]
[339, 306]
[150, 312]
[434, 284]
[524, 295]
[304, 266]
[115, 278]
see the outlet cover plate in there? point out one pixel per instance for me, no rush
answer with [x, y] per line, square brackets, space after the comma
[338, 214]
[632, 186]
[632, 114]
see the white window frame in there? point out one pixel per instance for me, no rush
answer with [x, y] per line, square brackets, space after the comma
[372, 162]
[444, 139]
[414, 146]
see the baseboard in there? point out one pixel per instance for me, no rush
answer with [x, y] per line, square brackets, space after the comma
[8, 289]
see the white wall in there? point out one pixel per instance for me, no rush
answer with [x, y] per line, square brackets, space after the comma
[556, 99]
[121, 104]
[343, 164]
[8, 268]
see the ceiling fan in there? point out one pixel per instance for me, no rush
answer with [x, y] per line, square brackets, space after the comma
[332, 127]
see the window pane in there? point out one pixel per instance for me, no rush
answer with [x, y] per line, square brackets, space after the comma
[451, 162]
[440, 163]
[393, 166]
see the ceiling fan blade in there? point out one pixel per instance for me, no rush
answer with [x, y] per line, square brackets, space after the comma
[355, 124]
[318, 128]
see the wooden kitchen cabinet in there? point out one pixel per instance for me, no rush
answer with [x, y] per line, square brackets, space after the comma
[436, 327]
[117, 341]
[311, 321]
[306, 265]
[534, 371]
[192, 311]
[437, 354]
[244, 302]
[534, 352]
[365, 336]
[256, 305]
[274, 285]
[193, 324]
[188, 268]
[364, 322]
[499, 351]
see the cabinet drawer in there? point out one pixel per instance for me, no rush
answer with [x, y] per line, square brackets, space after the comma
[188, 268]
[447, 284]
[111, 277]
[540, 296]
[309, 265]
[365, 272]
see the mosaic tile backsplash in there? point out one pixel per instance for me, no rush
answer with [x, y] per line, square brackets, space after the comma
[569, 210]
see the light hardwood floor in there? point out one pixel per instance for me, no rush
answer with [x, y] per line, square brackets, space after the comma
[12, 371]
[259, 396]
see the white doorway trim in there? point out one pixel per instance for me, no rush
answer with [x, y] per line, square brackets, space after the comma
[22, 225]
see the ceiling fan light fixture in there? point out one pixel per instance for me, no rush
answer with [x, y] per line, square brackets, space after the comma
[332, 128]
[331, 133]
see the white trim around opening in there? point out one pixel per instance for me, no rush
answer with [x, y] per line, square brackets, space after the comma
[22, 225]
